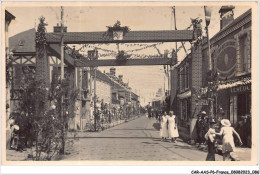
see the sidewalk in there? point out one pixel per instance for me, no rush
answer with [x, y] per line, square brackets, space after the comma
[241, 154]
[13, 155]
[79, 134]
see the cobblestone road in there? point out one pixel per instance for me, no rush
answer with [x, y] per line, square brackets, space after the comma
[135, 140]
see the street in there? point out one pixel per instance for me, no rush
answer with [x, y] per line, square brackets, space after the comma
[134, 140]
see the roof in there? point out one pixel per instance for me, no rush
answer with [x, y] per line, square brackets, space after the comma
[183, 61]
[100, 75]
[233, 23]
[23, 42]
[131, 37]
[67, 58]
[134, 96]
[9, 16]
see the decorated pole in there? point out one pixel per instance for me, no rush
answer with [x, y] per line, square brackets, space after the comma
[62, 78]
[211, 66]
[196, 73]
[42, 62]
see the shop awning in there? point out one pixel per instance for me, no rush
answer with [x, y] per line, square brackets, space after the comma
[184, 95]
[234, 84]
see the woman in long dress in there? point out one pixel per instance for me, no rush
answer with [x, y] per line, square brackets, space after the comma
[228, 144]
[164, 127]
[172, 127]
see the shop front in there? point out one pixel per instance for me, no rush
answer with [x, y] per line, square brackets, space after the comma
[240, 112]
[240, 103]
[235, 105]
[184, 111]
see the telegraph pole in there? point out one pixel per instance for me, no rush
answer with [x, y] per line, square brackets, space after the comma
[62, 46]
[95, 100]
[62, 78]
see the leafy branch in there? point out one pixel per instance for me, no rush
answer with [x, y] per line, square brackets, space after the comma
[117, 27]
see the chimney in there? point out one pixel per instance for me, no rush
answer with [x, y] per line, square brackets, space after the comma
[93, 54]
[113, 71]
[57, 29]
[226, 15]
[166, 52]
[120, 78]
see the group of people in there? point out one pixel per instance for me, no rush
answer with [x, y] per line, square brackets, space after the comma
[208, 132]
[169, 127]
[21, 131]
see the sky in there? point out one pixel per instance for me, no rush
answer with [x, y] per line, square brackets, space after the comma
[144, 80]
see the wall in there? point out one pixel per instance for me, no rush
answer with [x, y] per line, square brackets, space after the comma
[103, 91]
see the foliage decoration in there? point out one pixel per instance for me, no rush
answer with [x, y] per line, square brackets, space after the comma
[8, 68]
[40, 38]
[117, 27]
[197, 31]
[122, 56]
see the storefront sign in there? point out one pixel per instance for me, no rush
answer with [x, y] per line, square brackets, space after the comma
[241, 89]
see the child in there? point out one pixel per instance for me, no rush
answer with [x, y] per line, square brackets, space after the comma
[210, 138]
[228, 144]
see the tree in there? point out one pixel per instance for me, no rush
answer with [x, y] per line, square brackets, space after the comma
[41, 105]
[46, 128]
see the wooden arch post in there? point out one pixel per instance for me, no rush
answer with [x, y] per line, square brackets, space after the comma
[42, 65]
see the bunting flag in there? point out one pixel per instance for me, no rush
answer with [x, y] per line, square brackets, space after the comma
[207, 15]
[146, 47]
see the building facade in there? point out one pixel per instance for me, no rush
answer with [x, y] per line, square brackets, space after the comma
[231, 52]
[231, 55]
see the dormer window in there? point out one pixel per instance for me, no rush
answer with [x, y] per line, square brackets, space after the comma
[21, 42]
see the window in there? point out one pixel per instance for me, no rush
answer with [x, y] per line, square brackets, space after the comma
[185, 109]
[187, 76]
[181, 110]
[84, 80]
[182, 80]
[243, 53]
[243, 104]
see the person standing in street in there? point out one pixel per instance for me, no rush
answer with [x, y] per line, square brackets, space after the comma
[210, 138]
[228, 144]
[201, 127]
[172, 127]
[164, 126]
